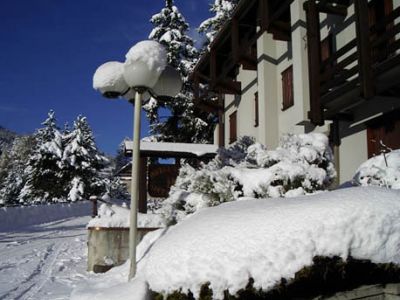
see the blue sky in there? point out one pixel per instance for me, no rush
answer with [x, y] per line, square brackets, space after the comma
[51, 48]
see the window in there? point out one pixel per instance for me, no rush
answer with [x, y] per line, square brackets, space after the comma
[287, 88]
[232, 127]
[256, 109]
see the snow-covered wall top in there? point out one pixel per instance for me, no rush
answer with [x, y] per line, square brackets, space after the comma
[118, 217]
[270, 239]
[196, 149]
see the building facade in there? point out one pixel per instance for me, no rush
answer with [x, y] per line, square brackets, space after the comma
[328, 66]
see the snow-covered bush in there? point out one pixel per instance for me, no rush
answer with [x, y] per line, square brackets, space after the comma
[302, 164]
[381, 170]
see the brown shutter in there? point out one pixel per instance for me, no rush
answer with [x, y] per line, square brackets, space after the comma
[287, 88]
[232, 127]
[256, 120]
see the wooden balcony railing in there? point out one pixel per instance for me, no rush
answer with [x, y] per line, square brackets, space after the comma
[355, 66]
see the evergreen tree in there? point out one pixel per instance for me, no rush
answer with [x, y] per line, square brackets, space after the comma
[185, 123]
[222, 10]
[84, 162]
[45, 180]
[12, 166]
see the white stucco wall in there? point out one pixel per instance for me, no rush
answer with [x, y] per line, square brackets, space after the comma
[353, 151]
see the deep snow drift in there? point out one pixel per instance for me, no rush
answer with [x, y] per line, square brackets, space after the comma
[265, 239]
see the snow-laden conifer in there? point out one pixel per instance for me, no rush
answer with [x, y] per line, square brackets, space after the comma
[184, 122]
[84, 162]
[44, 171]
[12, 166]
[222, 10]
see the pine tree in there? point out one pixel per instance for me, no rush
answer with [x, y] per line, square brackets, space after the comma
[12, 166]
[222, 10]
[84, 162]
[45, 180]
[185, 123]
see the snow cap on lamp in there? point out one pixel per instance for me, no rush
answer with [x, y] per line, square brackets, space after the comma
[109, 80]
[144, 63]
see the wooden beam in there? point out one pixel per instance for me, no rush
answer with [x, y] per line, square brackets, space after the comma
[364, 48]
[143, 185]
[263, 12]
[225, 86]
[280, 10]
[328, 8]
[213, 65]
[235, 39]
[221, 122]
[314, 55]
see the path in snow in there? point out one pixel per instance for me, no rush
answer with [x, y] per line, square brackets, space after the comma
[44, 261]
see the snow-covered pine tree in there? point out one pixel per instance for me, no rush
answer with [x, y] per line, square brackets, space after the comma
[84, 162]
[221, 10]
[185, 123]
[45, 178]
[12, 166]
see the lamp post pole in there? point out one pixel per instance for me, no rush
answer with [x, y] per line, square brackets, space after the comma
[134, 183]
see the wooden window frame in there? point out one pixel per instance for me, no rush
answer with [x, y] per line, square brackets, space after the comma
[287, 88]
[233, 127]
[256, 110]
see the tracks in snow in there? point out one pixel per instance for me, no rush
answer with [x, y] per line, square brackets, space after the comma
[32, 284]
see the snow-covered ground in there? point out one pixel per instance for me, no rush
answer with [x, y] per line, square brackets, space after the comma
[43, 261]
[265, 239]
[43, 252]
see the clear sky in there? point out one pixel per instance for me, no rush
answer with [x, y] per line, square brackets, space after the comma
[49, 50]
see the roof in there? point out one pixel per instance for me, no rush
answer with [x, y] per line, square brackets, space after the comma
[179, 150]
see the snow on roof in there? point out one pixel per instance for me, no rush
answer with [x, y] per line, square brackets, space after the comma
[195, 149]
[110, 216]
[270, 239]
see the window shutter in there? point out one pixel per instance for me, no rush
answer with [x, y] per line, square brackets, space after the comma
[287, 88]
[232, 127]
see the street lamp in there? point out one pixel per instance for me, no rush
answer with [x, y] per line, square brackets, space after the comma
[144, 71]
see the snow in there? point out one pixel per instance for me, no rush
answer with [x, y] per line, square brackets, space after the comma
[196, 149]
[118, 216]
[108, 77]
[153, 54]
[41, 260]
[380, 170]
[268, 239]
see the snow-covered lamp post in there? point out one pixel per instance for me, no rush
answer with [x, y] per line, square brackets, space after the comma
[145, 70]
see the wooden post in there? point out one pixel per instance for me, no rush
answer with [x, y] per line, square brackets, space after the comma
[213, 67]
[221, 122]
[235, 39]
[364, 48]
[264, 15]
[143, 185]
[94, 206]
[314, 61]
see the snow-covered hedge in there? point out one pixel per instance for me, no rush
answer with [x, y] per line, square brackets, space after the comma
[302, 164]
[380, 170]
[270, 241]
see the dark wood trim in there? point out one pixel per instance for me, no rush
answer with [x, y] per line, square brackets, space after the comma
[287, 88]
[314, 54]
[143, 185]
[256, 110]
[364, 48]
[221, 122]
[232, 127]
